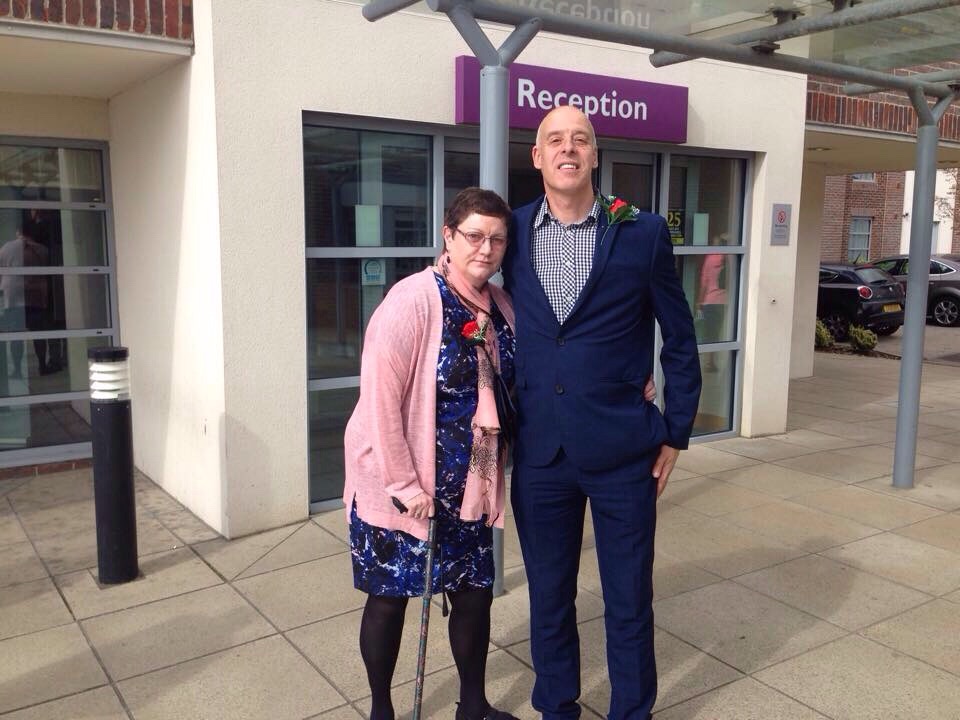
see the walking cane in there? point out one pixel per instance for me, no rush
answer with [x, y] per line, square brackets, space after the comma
[424, 611]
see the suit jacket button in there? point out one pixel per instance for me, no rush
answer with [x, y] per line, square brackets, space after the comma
[561, 341]
[559, 389]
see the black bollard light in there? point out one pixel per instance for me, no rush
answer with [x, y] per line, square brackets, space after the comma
[113, 465]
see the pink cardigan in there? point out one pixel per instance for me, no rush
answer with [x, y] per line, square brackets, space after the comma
[390, 441]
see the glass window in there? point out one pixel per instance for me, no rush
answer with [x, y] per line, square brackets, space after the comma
[329, 412]
[44, 366]
[706, 200]
[710, 283]
[872, 276]
[460, 170]
[366, 188]
[38, 237]
[53, 302]
[858, 245]
[715, 413]
[50, 174]
[634, 182]
[341, 296]
[938, 268]
[887, 265]
[24, 426]
[864, 177]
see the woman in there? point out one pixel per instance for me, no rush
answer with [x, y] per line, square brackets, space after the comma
[425, 432]
[712, 297]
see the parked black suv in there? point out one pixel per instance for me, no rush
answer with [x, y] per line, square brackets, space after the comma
[943, 299]
[859, 295]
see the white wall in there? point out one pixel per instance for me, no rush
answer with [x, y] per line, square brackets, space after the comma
[943, 210]
[165, 191]
[331, 60]
[808, 269]
[53, 117]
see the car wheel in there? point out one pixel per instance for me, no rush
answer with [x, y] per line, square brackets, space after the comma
[838, 325]
[886, 329]
[946, 311]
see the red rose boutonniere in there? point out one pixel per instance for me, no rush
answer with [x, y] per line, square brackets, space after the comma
[617, 209]
[474, 332]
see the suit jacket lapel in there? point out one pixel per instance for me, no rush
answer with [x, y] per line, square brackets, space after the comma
[606, 234]
[525, 244]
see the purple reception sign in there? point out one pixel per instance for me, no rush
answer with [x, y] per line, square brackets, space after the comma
[617, 107]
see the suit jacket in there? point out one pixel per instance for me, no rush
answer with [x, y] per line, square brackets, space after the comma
[580, 383]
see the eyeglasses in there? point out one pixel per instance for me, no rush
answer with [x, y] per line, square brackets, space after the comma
[476, 239]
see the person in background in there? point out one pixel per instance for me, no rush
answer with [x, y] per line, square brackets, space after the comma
[712, 296]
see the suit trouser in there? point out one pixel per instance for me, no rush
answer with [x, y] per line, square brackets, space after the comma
[548, 504]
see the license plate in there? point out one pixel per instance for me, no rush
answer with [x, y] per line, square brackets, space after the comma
[895, 307]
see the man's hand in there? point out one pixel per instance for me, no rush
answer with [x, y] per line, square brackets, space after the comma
[420, 507]
[650, 390]
[664, 466]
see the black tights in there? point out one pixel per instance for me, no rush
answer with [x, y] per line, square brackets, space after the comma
[382, 627]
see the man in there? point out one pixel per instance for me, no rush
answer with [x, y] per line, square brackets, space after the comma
[587, 284]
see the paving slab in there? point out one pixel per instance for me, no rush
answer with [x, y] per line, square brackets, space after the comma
[930, 633]
[31, 606]
[169, 631]
[99, 704]
[744, 699]
[263, 680]
[800, 526]
[10, 529]
[942, 531]
[713, 497]
[834, 592]
[741, 627]
[815, 440]
[162, 575]
[775, 480]
[857, 679]
[308, 542]
[19, 563]
[883, 454]
[232, 557]
[334, 522]
[866, 506]
[719, 547]
[52, 489]
[508, 689]
[937, 487]
[304, 593]
[345, 712]
[703, 460]
[832, 465]
[765, 449]
[910, 562]
[46, 665]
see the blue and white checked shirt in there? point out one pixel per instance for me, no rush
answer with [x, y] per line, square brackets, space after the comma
[562, 256]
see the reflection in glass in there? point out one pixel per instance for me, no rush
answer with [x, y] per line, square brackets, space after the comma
[341, 297]
[44, 424]
[59, 238]
[525, 184]
[329, 412]
[46, 365]
[706, 200]
[50, 174]
[53, 302]
[710, 284]
[460, 170]
[715, 413]
[366, 188]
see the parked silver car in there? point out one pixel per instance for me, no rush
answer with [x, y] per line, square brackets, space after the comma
[943, 300]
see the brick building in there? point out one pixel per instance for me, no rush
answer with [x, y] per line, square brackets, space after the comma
[866, 215]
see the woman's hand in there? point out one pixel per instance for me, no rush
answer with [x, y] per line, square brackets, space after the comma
[650, 390]
[420, 507]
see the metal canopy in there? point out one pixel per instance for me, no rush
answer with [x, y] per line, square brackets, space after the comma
[865, 42]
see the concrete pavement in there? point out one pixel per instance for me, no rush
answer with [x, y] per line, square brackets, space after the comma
[792, 583]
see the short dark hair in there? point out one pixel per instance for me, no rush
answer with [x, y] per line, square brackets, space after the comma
[476, 200]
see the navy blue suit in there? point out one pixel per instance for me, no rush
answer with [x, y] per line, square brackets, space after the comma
[586, 431]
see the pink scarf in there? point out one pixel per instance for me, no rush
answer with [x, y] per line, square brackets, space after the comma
[483, 484]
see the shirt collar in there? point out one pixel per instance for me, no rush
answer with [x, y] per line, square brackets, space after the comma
[544, 215]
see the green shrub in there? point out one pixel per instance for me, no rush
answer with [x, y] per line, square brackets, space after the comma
[861, 339]
[822, 337]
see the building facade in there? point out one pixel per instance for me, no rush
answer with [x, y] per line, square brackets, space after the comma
[232, 208]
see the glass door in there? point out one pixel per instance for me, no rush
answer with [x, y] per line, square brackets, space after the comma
[630, 176]
[57, 295]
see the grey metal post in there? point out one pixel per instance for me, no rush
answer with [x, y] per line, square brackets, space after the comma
[494, 136]
[918, 276]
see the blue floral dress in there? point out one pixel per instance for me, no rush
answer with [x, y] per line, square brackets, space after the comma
[391, 562]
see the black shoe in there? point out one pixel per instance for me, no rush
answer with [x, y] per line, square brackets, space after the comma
[491, 713]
